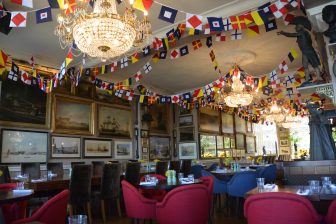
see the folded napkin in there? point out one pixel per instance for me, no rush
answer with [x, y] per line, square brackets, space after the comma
[24, 191]
[38, 180]
[269, 186]
[149, 183]
[304, 192]
[186, 181]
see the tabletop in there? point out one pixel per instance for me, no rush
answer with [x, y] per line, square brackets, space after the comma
[163, 185]
[321, 195]
[7, 196]
[228, 172]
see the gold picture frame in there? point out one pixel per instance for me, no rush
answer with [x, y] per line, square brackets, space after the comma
[64, 117]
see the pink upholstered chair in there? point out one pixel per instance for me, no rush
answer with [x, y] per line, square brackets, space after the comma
[155, 194]
[13, 211]
[208, 181]
[54, 211]
[280, 208]
[184, 205]
[331, 216]
[136, 205]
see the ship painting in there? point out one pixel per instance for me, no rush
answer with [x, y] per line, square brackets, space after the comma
[61, 149]
[97, 148]
[114, 121]
[109, 125]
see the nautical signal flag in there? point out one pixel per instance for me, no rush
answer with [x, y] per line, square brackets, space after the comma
[135, 57]
[26, 78]
[56, 4]
[238, 22]
[68, 58]
[283, 67]
[288, 18]
[292, 55]
[220, 37]
[278, 9]
[270, 25]
[194, 21]
[114, 66]
[27, 3]
[196, 44]
[184, 50]
[252, 31]
[124, 62]
[209, 41]
[18, 19]
[138, 76]
[257, 18]
[143, 5]
[43, 15]
[163, 55]
[227, 24]
[174, 54]
[3, 61]
[167, 14]
[236, 35]
[147, 67]
[216, 24]
[69, 6]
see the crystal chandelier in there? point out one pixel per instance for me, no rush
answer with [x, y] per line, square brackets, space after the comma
[290, 121]
[238, 95]
[275, 114]
[102, 33]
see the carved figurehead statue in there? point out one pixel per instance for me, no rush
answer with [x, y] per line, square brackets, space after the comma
[329, 16]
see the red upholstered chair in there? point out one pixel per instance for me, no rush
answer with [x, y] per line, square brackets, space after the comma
[136, 205]
[184, 205]
[208, 181]
[155, 194]
[12, 211]
[280, 208]
[331, 216]
[54, 211]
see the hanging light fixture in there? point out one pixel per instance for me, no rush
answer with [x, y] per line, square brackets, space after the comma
[103, 33]
[290, 121]
[275, 114]
[237, 94]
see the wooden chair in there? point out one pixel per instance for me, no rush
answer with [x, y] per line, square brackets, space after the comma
[76, 163]
[80, 189]
[97, 168]
[161, 167]
[186, 167]
[132, 174]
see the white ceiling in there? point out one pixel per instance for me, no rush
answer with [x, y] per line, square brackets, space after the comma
[263, 52]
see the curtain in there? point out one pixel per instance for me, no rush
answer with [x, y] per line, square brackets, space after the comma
[322, 146]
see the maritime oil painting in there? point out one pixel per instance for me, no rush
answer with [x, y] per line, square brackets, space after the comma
[23, 146]
[97, 148]
[65, 147]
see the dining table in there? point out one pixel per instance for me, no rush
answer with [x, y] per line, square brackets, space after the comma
[164, 185]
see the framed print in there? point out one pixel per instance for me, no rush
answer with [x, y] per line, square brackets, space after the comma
[144, 142]
[159, 123]
[233, 142]
[23, 106]
[72, 115]
[144, 149]
[208, 120]
[114, 121]
[240, 141]
[284, 150]
[219, 142]
[284, 142]
[122, 149]
[249, 126]
[227, 142]
[250, 144]
[159, 147]
[97, 148]
[240, 124]
[227, 123]
[144, 133]
[186, 120]
[145, 156]
[186, 134]
[283, 134]
[23, 146]
[207, 146]
[187, 150]
[65, 147]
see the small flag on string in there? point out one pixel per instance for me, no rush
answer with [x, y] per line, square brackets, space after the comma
[147, 67]
[292, 55]
[3, 61]
[294, 3]
[56, 4]
[157, 43]
[27, 3]
[163, 55]
[220, 37]
[216, 24]
[138, 76]
[26, 78]
[146, 51]
[257, 18]
[197, 44]
[69, 6]
[194, 21]
[209, 41]
[273, 75]
[68, 58]
[43, 15]
[170, 34]
[167, 14]
[143, 5]
[174, 54]
[129, 95]
[238, 22]
[175, 98]
[283, 67]
[289, 80]
[288, 18]
[184, 50]
[14, 72]
[135, 57]
[181, 27]
[278, 9]
[253, 30]
[270, 25]
[114, 66]
[123, 62]
[155, 57]
[165, 43]
[18, 19]
[236, 35]
[227, 25]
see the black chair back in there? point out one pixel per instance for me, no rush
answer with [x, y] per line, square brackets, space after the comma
[132, 174]
[76, 163]
[97, 168]
[161, 167]
[56, 168]
[5, 177]
[186, 167]
[80, 185]
[110, 185]
[175, 165]
[32, 169]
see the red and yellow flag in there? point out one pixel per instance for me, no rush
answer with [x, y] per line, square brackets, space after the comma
[143, 5]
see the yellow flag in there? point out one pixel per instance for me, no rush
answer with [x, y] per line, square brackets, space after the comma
[294, 53]
[103, 70]
[143, 5]
[141, 99]
[257, 18]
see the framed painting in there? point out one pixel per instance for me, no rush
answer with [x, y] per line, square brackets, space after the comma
[208, 120]
[227, 142]
[114, 121]
[123, 149]
[65, 147]
[186, 134]
[144, 133]
[97, 148]
[186, 120]
[159, 147]
[160, 121]
[85, 87]
[207, 146]
[240, 141]
[250, 144]
[219, 142]
[144, 149]
[144, 142]
[18, 146]
[22, 105]
[187, 150]
[233, 142]
[227, 123]
[240, 124]
[249, 126]
[284, 142]
[72, 115]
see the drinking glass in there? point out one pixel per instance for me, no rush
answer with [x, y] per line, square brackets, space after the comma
[191, 177]
[19, 185]
[147, 178]
[314, 186]
[77, 219]
[25, 177]
[326, 181]
[260, 183]
[180, 176]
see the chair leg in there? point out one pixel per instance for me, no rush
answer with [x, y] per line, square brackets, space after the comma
[102, 207]
[88, 205]
[118, 206]
[71, 211]
[237, 206]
